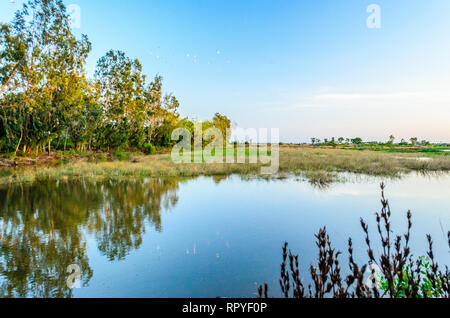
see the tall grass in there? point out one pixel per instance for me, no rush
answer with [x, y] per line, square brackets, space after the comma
[321, 166]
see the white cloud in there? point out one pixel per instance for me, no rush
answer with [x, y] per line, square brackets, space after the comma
[363, 97]
[368, 100]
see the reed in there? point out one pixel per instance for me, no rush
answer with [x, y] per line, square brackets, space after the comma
[402, 275]
[320, 166]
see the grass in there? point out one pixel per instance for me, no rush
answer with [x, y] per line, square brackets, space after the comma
[426, 150]
[319, 165]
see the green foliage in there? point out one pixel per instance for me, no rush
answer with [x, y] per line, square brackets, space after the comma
[223, 124]
[404, 287]
[42, 75]
[48, 104]
[148, 149]
[121, 155]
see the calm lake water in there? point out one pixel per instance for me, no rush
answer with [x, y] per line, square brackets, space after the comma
[203, 237]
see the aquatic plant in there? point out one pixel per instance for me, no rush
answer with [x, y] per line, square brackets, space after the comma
[394, 274]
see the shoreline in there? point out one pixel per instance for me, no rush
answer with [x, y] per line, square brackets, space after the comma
[319, 165]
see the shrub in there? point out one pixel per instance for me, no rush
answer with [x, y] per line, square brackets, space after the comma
[102, 157]
[121, 155]
[148, 149]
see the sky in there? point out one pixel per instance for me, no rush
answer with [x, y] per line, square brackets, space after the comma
[310, 68]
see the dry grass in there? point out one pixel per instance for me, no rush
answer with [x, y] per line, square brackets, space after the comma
[318, 165]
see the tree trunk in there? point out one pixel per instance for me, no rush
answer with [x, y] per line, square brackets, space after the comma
[65, 142]
[4, 86]
[106, 104]
[18, 144]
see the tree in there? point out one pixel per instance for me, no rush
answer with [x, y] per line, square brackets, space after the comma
[46, 102]
[41, 73]
[223, 124]
[163, 115]
[341, 140]
[357, 141]
[122, 85]
[414, 141]
[391, 139]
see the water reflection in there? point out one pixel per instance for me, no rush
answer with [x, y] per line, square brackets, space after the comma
[222, 236]
[42, 228]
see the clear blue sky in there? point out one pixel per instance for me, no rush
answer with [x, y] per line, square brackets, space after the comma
[310, 68]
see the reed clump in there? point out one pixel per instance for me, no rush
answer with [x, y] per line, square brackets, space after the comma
[320, 166]
[395, 273]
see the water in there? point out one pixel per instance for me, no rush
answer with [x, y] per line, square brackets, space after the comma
[203, 237]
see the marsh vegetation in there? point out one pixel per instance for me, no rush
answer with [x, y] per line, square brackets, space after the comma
[319, 165]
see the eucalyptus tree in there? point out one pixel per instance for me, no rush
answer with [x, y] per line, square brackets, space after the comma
[169, 119]
[46, 101]
[391, 139]
[42, 74]
[122, 88]
[223, 123]
[357, 141]
[163, 115]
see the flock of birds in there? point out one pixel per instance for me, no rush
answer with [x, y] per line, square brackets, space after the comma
[159, 57]
[187, 55]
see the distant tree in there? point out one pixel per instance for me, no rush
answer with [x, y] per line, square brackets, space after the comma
[313, 141]
[357, 141]
[413, 141]
[341, 140]
[391, 139]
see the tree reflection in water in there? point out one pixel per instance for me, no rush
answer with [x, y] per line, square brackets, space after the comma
[42, 227]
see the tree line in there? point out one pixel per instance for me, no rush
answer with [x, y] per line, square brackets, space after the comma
[333, 141]
[48, 103]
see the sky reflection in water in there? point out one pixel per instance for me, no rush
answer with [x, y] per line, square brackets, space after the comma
[203, 237]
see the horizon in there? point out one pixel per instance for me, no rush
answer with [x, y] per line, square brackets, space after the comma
[309, 69]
